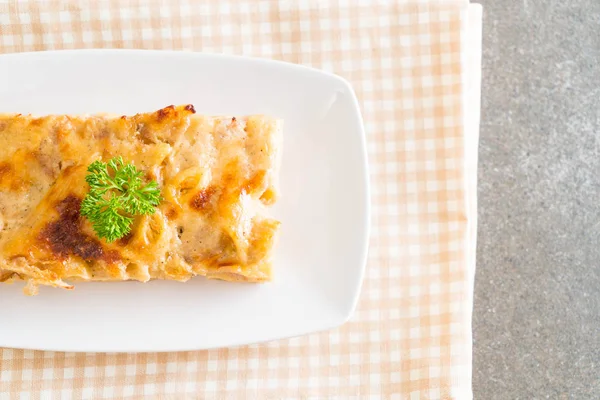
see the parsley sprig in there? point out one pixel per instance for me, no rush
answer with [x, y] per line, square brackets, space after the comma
[115, 198]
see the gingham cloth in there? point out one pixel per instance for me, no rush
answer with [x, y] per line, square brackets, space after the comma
[415, 69]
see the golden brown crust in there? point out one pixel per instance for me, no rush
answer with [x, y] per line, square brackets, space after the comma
[203, 199]
[65, 237]
[215, 174]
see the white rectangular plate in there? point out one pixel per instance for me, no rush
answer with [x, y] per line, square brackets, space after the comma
[324, 208]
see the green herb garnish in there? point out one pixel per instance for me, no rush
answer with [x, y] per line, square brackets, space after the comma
[115, 198]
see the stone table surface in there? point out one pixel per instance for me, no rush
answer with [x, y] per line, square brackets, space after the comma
[536, 320]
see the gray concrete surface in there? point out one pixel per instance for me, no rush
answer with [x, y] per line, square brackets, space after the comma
[537, 290]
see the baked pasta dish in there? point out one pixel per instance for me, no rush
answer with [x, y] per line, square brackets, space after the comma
[162, 195]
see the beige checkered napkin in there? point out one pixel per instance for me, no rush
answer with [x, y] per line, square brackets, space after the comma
[415, 69]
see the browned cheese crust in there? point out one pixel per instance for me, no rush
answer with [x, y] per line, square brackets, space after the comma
[217, 176]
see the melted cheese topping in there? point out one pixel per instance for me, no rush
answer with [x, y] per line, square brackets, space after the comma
[216, 177]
